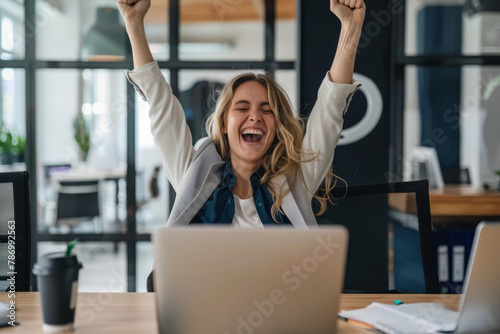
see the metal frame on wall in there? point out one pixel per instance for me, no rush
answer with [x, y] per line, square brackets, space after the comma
[30, 64]
[399, 62]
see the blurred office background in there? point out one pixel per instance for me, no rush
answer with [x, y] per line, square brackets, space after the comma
[70, 118]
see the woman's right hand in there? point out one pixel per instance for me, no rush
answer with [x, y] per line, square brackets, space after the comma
[132, 9]
[133, 12]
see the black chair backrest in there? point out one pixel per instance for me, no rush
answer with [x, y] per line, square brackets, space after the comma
[421, 191]
[154, 189]
[15, 231]
[78, 199]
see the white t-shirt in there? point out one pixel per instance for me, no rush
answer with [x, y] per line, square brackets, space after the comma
[245, 214]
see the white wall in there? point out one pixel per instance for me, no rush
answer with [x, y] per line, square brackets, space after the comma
[58, 33]
[56, 107]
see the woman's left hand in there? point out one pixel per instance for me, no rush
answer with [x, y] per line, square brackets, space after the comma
[349, 11]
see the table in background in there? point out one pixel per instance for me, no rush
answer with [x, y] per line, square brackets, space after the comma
[89, 173]
[15, 167]
[93, 174]
[135, 312]
[454, 205]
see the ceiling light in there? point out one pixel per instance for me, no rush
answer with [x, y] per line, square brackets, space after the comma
[106, 40]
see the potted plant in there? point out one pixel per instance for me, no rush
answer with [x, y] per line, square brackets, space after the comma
[12, 146]
[82, 136]
[5, 156]
[18, 146]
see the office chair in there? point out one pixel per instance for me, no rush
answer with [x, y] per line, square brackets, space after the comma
[421, 191]
[15, 221]
[77, 199]
[367, 267]
[154, 189]
[198, 101]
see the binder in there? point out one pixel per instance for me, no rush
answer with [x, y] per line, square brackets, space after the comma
[469, 238]
[452, 249]
[443, 254]
[457, 244]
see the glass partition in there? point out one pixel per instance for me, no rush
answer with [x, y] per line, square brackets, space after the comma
[12, 119]
[81, 145]
[86, 30]
[461, 125]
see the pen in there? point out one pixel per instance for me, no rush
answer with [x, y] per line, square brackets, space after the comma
[357, 323]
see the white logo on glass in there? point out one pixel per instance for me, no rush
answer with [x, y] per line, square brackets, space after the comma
[372, 116]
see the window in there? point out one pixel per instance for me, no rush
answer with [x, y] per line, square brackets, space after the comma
[82, 117]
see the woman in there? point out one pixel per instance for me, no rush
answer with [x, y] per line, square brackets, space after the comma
[256, 168]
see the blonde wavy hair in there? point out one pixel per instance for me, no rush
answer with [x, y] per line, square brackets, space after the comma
[285, 155]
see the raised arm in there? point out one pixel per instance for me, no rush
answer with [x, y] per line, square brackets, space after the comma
[351, 14]
[168, 121]
[326, 119]
[133, 12]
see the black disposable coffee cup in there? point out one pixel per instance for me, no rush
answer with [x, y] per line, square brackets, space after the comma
[58, 284]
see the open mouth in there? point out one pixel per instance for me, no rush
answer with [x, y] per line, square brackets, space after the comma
[252, 135]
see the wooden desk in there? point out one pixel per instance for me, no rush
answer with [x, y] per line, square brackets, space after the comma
[135, 312]
[454, 204]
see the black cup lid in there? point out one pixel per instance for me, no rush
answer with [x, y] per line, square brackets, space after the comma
[56, 263]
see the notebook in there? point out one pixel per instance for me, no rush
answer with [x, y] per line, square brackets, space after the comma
[224, 280]
[479, 308]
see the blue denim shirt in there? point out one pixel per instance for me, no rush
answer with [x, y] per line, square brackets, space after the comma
[219, 208]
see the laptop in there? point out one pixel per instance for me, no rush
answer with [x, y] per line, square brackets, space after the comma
[479, 309]
[240, 281]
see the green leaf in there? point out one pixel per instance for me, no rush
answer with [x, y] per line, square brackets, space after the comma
[11, 142]
[70, 247]
[82, 135]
